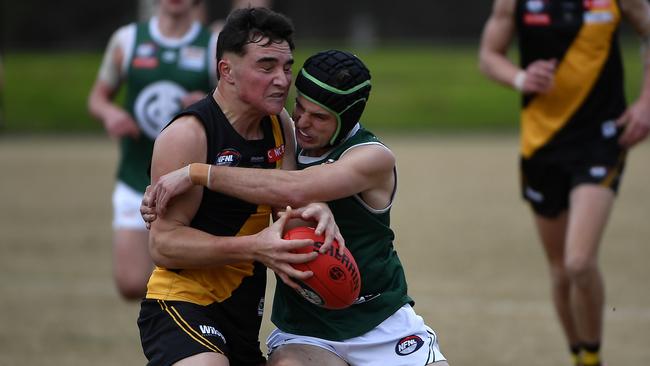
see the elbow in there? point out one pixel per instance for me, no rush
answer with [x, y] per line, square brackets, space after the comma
[483, 64]
[159, 252]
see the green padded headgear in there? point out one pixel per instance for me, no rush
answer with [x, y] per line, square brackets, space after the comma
[340, 83]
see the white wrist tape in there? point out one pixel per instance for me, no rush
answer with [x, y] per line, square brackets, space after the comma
[519, 80]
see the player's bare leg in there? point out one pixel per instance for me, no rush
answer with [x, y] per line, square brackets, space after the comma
[303, 355]
[132, 264]
[590, 208]
[552, 232]
[204, 359]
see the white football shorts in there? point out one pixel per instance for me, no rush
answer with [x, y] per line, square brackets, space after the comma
[126, 208]
[401, 340]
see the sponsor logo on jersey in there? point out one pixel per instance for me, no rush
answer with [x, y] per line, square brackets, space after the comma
[145, 63]
[192, 58]
[228, 157]
[257, 159]
[598, 171]
[596, 4]
[210, 331]
[156, 105]
[598, 17]
[168, 56]
[535, 6]
[537, 13]
[146, 50]
[275, 154]
[408, 345]
[145, 56]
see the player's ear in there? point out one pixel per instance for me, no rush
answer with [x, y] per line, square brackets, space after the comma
[225, 70]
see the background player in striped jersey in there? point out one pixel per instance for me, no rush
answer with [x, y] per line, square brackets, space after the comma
[575, 132]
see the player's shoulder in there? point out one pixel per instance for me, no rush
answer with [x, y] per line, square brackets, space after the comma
[370, 149]
[124, 35]
[186, 130]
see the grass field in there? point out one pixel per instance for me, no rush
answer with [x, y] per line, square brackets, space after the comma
[474, 267]
[414, 88]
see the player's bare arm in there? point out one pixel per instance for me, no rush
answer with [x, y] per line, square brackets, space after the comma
[636, 118]
[493, 61]
[365, 170]
[117, 121]
[173, 244]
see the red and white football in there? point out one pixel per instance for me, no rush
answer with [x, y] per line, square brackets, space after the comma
[336, 281]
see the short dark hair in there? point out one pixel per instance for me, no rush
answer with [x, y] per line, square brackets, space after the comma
[252, 25]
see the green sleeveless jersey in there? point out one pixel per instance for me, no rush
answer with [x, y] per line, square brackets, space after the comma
[369, 238]
[160, 72]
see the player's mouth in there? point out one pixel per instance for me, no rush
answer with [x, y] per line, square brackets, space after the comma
[278, 95]
[302, 135]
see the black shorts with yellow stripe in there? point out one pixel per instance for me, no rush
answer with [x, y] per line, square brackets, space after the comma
[173, 330]
[546, 185]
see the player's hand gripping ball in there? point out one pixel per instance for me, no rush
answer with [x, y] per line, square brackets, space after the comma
[336, 281]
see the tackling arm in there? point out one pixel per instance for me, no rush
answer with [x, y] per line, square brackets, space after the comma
[366, 170]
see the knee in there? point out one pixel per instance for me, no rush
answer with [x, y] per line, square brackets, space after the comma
[131, 289]
[559, 275]
[580, 268]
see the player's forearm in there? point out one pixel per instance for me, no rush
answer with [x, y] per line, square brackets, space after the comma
[100, 102]
[500, 69]
[637, 13]
[186, 247]
[276, 188]
[644, 93]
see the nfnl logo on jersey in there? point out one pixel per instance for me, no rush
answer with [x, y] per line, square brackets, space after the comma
[537, 13]
[228, 157]
[275, 153]
[408, 345]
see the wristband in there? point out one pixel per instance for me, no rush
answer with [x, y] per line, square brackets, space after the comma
[519, 80]
[200, 174]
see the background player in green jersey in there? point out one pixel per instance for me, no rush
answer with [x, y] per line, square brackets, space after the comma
[345, 165]
[165, 64]
[576, 130]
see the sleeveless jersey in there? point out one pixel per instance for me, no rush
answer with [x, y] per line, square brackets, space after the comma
[159, 73]
[233, 285]
[575, 120]
[369, 238]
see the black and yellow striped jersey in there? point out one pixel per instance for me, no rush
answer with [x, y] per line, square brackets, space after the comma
[576, 117]
[223, 215]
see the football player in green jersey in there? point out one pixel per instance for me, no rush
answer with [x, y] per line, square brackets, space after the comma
[164, 64]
